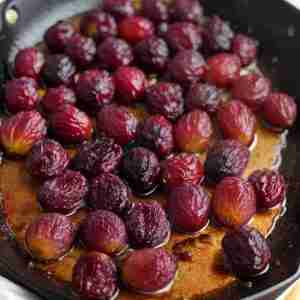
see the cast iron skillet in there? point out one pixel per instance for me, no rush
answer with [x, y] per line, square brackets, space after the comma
[276, 25]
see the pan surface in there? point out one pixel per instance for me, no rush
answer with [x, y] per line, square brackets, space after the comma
[277, 27]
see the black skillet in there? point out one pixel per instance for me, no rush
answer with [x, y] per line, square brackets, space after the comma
[276, 25]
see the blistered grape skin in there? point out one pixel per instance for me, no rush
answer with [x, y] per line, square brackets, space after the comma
[21, 94]
[98, 25]
[226, 158]
[135, 29]
[218, 35]
[81, 49]
[252, 89]
[47, 159]
[64, 194]
[187, 10]
[165, 98]
[223, 69]
[141, 169]
[95, 276]
[71, 125]
[29, 63]
[245, 47]
[95, 88]
[147, 225]
[152, 54]
[183, 35]
[203, 96]
[182, 168]
[57, 97]
[99, 156]
[269, 186]
[105, 232]
[130, 84]
[117, 122]
[246, 252]
[109, 192]
[58, 35]
[280, 110]
[58, 69]
[156, 133]
[113, 53]
[119, 8]
[155, 10]
[187, 67]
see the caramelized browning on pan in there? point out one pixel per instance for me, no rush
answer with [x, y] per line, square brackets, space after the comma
[199, 274]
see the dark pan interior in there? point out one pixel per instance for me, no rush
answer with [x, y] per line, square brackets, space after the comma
[276, 25]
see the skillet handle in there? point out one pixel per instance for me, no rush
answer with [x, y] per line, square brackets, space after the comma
[9, 17]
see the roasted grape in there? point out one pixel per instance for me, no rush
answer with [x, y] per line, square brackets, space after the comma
[155, 10]
[183, 35]
[113, 53]
[245, 47]
[81, 49]
[21, 94]
[103, 231]
[149, 270]
[47, 159]
[188, 208]
[237, 122]
[100, 156]
[147, 225]
[109, 192]
[218, 35]
[226, 158]
[119, 8]
[187, 67]
[20, 132]
[253, 89]
[57, 36]
[57, 97]
[64, 194]
[187, 10]
[182, 168]
[58, 69]
[203, 96]
[49, 237]
[165, 98]
[29, 63]
[234, 202]
[117, 122]
[141, 169]
[280, 110]
[152, 53]
[95, 277]
[246, 252]
[193, 131]
[71, 125]
[223, 69]
[98, 25]
[269, 186]
[130, 84]
[95, 88]
[135, 29]
[156, 133]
